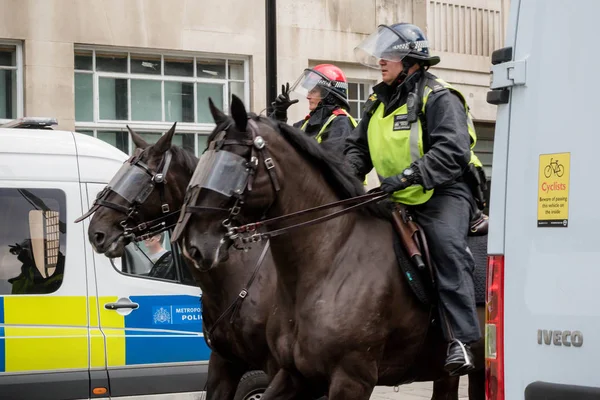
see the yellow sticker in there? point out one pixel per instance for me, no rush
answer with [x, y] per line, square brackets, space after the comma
[553, 190]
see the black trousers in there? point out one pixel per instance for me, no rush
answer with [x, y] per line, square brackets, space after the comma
[445, 220]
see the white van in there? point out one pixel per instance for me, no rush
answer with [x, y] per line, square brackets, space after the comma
[73, 325]
[543, 322]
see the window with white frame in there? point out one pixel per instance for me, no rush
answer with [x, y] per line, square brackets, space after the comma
[11, 81]
[358, 93]
[149, 91]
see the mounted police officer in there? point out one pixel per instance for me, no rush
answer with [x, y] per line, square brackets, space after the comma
[328, 121]
[417, 133]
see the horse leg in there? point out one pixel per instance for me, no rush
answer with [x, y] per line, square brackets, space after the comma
[353, 379]
[477, 385]
[284, 386]
[223, 378]
[446, 388]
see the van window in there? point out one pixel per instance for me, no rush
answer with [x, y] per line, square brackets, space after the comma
[32, 240]
[154, 258]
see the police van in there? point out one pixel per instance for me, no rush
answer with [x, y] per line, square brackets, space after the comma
[543, 304]
[73, 323]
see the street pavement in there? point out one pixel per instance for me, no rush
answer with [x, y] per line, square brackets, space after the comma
[415, 391]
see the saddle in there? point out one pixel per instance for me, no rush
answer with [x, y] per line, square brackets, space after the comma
[414, 240]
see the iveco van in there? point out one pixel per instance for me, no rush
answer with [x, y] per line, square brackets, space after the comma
[543, 304]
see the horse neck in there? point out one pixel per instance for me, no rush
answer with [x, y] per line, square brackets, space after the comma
[301, 255]
[222, 284]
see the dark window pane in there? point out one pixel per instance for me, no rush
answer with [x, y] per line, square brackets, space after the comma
[179, 66]
[202, 139]
[8, 56]
[364, 91]
[119, 139]
[210, 68]
[8, 94]
[32, 240]
[184, 140]
[353, 91]
[179, 101]
[354, 109]
[113, 98]
[83, 60]
[84, 97]
[236, 70]
[150, 137]
[145, 64]
[109, 62]
[85, 132]
[204, 91]
[146, 100]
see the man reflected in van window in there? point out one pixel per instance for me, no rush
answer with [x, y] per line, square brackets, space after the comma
[30, 281]
[155, 248]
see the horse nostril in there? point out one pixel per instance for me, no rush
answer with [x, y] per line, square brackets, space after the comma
[99, 238]
[194, 253]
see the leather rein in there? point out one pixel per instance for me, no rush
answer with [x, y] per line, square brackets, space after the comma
[248, 233]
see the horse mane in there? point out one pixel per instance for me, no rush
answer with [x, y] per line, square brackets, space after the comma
[331, 165]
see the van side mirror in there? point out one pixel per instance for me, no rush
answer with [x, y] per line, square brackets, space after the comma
[45, 241]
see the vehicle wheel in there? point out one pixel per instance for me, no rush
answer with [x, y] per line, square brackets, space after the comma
[548, 171]
[252, 386]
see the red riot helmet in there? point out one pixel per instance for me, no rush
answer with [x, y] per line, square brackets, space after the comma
[328, 78]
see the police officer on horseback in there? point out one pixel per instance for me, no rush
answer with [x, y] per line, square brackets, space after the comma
[328, 121]
[417, 132]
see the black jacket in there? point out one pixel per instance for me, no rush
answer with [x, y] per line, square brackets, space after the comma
[447, 141]
[334, 137]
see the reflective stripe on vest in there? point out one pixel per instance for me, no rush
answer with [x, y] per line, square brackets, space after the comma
[319, 136]
[394, 144]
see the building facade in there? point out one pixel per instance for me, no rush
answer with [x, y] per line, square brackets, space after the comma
[98, 65]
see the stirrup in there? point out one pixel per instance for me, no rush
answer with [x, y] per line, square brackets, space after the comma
[466, 366]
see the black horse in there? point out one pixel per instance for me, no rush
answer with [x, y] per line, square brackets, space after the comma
[345, 318]
[234, 327]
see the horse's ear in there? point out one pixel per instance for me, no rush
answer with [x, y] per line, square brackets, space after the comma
[239, 114]
[137, 139]
[164, 143]
[218, 115]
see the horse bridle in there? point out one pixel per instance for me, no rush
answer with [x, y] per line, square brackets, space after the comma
[258, 149]
[244, 235]
[151, 180]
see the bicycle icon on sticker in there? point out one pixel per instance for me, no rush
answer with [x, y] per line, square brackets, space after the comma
[554, 167]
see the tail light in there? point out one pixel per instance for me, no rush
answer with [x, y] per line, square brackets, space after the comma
[494, 329]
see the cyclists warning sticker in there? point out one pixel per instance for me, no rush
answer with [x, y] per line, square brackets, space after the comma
[553, 190]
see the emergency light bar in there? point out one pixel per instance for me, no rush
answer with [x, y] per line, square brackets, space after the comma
[31, 123]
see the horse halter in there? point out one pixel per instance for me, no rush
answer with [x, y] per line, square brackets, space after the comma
[228, 174]
[134, 182]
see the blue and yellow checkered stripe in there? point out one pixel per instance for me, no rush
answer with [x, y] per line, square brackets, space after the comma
[41, 333]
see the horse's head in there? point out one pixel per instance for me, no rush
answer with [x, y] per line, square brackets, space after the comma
[234, 173]
[147, 187]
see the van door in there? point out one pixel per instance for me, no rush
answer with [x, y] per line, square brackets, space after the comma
[44, 344]
[551, 251]
[150, 315]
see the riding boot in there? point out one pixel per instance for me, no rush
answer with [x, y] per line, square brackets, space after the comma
[459, 359]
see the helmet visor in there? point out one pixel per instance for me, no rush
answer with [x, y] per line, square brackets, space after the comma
[384, 44]
[311, 82]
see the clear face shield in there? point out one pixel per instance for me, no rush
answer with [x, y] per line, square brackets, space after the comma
[310, 82]
[222, 172]
[132, 182]
[384, 44]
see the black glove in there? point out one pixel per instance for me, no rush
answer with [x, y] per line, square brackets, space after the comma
[394, 183]
[283, 102]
